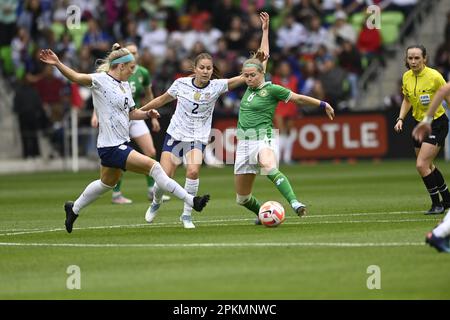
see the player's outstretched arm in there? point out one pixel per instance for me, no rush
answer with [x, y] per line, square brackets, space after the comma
[300, 99]
[49, 57]
[264, 17]
[158, 102]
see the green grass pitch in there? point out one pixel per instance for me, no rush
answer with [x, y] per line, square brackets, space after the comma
[360, 215]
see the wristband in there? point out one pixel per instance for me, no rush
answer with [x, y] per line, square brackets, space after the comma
[398, 119]
[322, 105]
[428, 119]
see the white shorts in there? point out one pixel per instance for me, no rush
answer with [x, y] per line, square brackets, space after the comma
[247, 154]
[138, 128]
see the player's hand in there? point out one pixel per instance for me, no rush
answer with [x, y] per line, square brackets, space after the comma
[421, 131]
[264, 17]
[329, 110]
[155, 125]
[48, 56]
[94, 120]
[399, 126]
[153, 114]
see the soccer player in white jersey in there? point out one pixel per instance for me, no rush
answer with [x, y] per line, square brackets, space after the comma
[114, 105]
[190, 126]
[439, 237]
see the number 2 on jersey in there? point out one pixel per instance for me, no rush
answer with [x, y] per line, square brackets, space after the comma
[194, 111]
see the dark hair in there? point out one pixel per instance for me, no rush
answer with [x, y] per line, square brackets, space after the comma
[216, 72]
[415, 46]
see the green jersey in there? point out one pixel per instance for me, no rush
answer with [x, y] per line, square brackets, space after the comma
[257, 109]
[139, 80]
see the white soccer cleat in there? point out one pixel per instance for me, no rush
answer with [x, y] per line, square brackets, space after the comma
[152, 211]
[187, 221]
[299, 208]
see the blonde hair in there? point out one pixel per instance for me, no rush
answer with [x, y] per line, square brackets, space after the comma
[256, 60]
[104, 65]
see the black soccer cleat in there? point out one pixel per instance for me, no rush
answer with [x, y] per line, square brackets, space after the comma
[440, 244]
[70, 216]
[435, 209]
[200, 202]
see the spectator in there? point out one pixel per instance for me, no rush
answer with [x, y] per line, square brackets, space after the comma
[96, 40]
[7, 21]
[339, 31]
[223, 12]
[155, 40]
[236, 35]
[334, 82]
[28, 107]
[210, 36]
[369, 43]
[350, 60]
[291, 34]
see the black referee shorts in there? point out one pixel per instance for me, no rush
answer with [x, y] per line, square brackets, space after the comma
[439, 131]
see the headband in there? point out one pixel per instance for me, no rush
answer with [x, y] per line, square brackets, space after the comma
[252, 65]
[124, 59]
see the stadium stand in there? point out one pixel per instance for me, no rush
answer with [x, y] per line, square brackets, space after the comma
[40, 23]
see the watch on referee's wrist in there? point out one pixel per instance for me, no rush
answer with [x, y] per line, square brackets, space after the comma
[398, 119]
[427, 119]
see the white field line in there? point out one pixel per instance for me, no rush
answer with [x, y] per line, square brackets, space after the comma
[213, 245]
[247, 219]
[8, 232]
[215, 223]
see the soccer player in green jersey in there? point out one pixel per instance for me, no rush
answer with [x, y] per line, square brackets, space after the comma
[140, 87]
[256, 137]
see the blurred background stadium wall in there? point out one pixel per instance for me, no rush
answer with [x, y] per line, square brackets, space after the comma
[330, 54]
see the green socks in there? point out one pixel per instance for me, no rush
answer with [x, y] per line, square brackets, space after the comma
[282, 184]
[150, 181]
[253, 205]
[117, 187]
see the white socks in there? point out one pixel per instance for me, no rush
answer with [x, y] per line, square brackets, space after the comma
[167, 184]
[94, 190]
[191, 186]
[443, 229]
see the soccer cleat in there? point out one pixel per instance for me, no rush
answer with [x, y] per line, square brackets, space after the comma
[299, 208]
[70, 216]
[120, 199]
[152, 211]
[187, 221]
[440, 244]
[200, 202]
[435, 209]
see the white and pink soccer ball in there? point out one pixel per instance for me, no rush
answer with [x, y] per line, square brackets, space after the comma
[271, 214]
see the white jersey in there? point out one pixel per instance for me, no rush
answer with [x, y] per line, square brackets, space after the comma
[193, 115]
[113, 102]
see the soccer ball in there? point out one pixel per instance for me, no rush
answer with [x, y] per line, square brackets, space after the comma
[271, 214]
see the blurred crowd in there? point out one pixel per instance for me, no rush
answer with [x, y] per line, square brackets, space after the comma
[315, 50]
